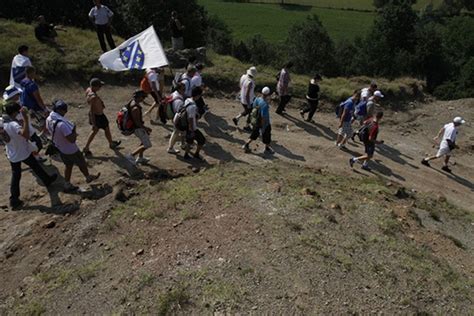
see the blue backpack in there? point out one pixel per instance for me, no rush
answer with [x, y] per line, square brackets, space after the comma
[339, 109]
[361, 109]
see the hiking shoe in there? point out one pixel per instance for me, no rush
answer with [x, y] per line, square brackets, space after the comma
[17, 204]
[425, 162]
[366, 168]
[351, 162]
[69, 188]
[236, 121]
[91, 178]
[115, 144]
[311, 121]
[142, 160]
[246, 148]
[173, 151]
[131, 159]
[302, 115]
[187, 157]
[446, 168]
[87, 152]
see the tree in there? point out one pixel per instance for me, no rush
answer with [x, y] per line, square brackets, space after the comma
[311, 48]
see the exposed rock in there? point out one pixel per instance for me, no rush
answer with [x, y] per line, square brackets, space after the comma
[49, 224]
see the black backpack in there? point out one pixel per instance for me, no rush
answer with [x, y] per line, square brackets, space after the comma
[364, 131]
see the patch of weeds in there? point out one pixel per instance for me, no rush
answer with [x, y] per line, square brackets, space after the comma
[189, 215]
[390, 226]
[140, 208]
[434, 214]
[180, 192]
[345, 260]
[56, 278]
[294, 226]
[442, 206]
[311, 242]
[33, 308]
[145, 279]
[222, 291]
[89, 271]
[172, 300]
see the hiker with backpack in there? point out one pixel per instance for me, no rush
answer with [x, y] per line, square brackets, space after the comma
[64, 136]
[345, 112]
[196, 81]
[150, 83]
[282, 89]
[247, 95]
[177, 104]
[136, 125]
[447, 144]
[312, 97]
[365, 110]
[368, 135]
[97, 119]
[186, 120]
[260, 118]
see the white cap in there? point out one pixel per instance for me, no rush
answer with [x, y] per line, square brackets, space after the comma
[252, 71]
[266, 91]
[459, 120]
[10, 92]
[378, 94]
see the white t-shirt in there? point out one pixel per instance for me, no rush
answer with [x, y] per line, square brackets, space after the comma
[191, 111]
[178, 101]
[242, 79]
[247, 83]
[18, 70]
[450, 132]
[196, 81]
[101, 15]
[18, 148]
[32, 130]
[152, 77]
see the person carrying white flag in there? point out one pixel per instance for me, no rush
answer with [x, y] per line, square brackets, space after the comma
[19, 64]
[139, 52]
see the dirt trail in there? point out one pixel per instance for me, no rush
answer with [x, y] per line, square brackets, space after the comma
[407, 138]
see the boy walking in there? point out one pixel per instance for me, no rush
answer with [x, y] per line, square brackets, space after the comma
[345, 121]
[369, 137]
[247, 94]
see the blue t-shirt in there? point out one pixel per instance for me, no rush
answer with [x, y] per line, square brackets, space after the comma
[264, 110]
[27, 97]
[349, 107]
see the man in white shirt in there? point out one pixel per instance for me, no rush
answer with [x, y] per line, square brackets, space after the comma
[447, 144]
[19, 64]
[193, 134]
[247, 94]
[196, 81]
[102, 16]
[177, 104]
[20, 150]
[186, 79]
[366, 93]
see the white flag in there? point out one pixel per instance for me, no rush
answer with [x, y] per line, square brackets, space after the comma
[18, 70]
[139, 52]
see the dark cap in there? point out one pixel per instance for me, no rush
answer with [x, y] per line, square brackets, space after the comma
[59, 105]
[96, 82]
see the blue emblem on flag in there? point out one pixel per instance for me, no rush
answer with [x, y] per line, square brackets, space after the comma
[132, 56]
[19, 73]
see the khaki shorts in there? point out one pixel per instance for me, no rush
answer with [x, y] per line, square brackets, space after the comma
[443, 150]
[143, 137]
[346, 129]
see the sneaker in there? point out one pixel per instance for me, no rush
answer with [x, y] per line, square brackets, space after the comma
[87, 152]
[115, 144]
[425, 162]
[311, 121]
[366, 168]
[69, 188]
[351, 162]
[246, 148]
[187, 157]
[446, 168]
[142, 160]
[236, 121]
[17, 204]
[302, 114]
[269, 151]
[91, 178]
[131, 159]
[173, 151]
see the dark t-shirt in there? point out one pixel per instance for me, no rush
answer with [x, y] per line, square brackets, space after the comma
[313, 91]
[175, 31]
[43, 31]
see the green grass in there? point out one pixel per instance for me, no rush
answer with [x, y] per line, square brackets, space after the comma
[343, 19]
[273, 22]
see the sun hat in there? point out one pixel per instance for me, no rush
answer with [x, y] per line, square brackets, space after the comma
[378, 94]
[459, 120]
[10, 92]
[96, 82]
[252, 71]
[266, 91]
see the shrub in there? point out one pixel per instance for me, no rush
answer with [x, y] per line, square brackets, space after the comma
[311, 48]
[219, 36]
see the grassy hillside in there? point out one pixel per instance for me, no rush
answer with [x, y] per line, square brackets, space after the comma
[272, 21]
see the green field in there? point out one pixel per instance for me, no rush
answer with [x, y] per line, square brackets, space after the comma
[273, 21]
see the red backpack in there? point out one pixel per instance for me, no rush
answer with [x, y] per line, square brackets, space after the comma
[124, 121]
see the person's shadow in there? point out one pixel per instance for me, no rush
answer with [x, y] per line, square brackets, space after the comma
[120, 161]
[285, 152]
[394, 155]
[384, 170]
[314, 129]
[217, 127]
[462, 181]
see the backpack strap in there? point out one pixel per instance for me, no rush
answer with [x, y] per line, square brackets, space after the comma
[54, 128]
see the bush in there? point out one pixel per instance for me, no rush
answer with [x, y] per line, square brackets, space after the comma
[311, 48]
[262, 52]
[219, 36]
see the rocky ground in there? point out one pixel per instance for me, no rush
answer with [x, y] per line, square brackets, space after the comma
[297, 232]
